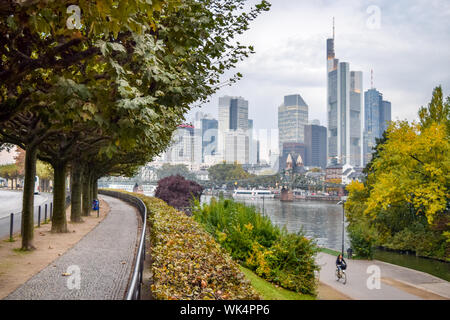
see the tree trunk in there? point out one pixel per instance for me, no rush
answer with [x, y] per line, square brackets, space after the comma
[27, 228]
[59, 222]
[95, 187]
[75, 213]
[87, 202]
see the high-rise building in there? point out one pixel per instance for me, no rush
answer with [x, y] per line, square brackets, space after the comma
[385, 116]
[210, 131]
[233, 126]
[237, 147]
[186, 146]
[376, 120]
[292, 118]
[316, 146]
[344, 110]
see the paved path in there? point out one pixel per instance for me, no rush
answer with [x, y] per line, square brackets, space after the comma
[104, 257]
[397, 283]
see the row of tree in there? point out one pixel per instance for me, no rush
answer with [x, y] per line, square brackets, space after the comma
[99, 91]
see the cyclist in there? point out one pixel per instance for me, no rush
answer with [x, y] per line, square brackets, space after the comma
[340, 263]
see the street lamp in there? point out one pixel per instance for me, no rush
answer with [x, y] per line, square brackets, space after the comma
[343, 200]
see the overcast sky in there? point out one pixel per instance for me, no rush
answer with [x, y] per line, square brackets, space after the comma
[408, 48]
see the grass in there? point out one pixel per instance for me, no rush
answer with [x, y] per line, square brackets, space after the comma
[336, 253]
[269, 291]
[330, 251]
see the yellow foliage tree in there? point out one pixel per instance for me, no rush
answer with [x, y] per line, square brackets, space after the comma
[413, 167]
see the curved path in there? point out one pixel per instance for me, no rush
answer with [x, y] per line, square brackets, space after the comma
[96, 268]
[395, 282]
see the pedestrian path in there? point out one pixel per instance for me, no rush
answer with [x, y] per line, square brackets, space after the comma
[396, 283]
[96, 268]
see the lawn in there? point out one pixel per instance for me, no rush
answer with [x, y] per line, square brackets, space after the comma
[269, 291]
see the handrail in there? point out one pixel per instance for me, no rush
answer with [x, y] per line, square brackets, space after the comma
[134, 288]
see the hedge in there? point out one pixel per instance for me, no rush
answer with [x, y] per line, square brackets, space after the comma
[187, 263]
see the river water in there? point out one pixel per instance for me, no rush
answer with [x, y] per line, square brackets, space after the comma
[319, 220]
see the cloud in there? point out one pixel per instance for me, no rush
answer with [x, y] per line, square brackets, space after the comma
[409, 54]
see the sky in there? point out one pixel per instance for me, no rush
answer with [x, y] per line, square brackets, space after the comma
[405, 42]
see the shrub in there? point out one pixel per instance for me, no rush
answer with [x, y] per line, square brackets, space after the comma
[187, 263]
[419, 239]
[178, 192]
[362, 240]
[251, 239]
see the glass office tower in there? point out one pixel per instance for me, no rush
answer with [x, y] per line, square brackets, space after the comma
[292, 119]
[344, 111]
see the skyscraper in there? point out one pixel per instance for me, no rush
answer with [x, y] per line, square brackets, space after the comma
[209, 137]
[186, 146]
[344, 110]
[385, 116]
[316, 146]
[233, 128]
[376, 120]
[292, 118]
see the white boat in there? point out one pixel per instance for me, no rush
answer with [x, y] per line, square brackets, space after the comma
[253, 194]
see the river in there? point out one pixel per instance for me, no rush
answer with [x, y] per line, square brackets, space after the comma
[319, 220]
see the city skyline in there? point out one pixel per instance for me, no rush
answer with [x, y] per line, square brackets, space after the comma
[289, 56]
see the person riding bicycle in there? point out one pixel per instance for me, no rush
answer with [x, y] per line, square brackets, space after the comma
[340, 263]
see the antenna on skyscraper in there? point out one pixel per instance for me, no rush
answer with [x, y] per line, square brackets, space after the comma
[333, 28]
[371, 78]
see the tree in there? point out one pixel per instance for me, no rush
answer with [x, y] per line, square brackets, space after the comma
[168, 170]
[227, 172]
[178, 192]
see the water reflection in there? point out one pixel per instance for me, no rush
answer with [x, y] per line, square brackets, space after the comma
[319, 220]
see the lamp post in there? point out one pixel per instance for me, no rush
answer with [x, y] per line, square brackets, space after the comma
[343, 200]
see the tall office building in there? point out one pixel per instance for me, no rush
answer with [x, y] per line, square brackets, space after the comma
[316, 146]
[237, 147]
[344, 110]
[186, 146]
[385, 116]
[376, 120]
[210, 132]
[292, 118]
[233, 126]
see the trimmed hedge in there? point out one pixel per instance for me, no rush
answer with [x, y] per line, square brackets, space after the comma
[187, 263]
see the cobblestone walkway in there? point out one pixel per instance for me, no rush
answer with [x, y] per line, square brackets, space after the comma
[103, 259]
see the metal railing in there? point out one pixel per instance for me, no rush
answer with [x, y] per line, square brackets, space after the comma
[134, 288]
[42, 213]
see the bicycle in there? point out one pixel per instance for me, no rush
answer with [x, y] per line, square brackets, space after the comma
[341, 275]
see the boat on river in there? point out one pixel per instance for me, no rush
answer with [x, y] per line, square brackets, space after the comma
[254, 193]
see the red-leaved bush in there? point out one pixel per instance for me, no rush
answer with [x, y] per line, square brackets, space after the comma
[178, 192]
